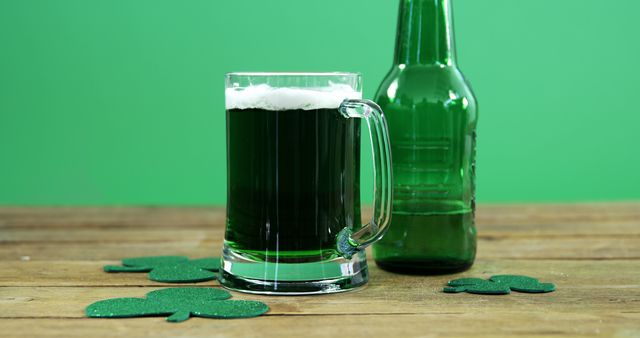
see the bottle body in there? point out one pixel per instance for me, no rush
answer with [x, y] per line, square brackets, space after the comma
[431, 113]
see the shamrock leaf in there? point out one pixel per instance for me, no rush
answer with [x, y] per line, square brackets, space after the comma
[523, 283]
[498, 285]
[171, 269]
[179, 304]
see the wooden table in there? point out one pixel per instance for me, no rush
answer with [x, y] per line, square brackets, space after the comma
[51, 268]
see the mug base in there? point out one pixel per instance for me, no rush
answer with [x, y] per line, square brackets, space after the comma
[243, 274]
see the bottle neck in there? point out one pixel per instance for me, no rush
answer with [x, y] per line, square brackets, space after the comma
[425, 33]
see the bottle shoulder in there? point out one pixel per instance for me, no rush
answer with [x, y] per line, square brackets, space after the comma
[407, 86]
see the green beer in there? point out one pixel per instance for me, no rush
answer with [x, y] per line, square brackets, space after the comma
[300, 186]
[293, 160]
[432, 116]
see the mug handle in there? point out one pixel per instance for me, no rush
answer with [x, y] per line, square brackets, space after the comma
[348, 241]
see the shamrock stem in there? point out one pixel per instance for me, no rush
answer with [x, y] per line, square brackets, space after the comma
[116, 268]
[456, 289]
[179, 316]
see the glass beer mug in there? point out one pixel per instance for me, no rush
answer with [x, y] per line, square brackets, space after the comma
[293, 182]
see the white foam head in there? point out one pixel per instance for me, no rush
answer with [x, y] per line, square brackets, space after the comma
[269, 98]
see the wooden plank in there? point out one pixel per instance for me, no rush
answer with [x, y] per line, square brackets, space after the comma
[480, 324]
[112, 235]
[110, 217]
[560, 248]
[69, 302]
[612, 213]
[164, 234]
[594, 247]
[69, 273]
[89, 273]
[626, 213]
[497, 229]
[109, 251]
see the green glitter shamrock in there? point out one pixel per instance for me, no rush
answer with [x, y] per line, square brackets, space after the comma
[180, 304]
[498, 285]
[170, 269]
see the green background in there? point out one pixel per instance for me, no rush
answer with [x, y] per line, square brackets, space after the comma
[121, 101]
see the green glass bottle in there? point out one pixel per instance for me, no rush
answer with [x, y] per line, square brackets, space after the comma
[432, 115]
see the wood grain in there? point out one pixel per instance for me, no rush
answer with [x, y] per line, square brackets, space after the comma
[51, 268]
[388, 293]
[597, 247]
[534, 324]
[626, 213]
